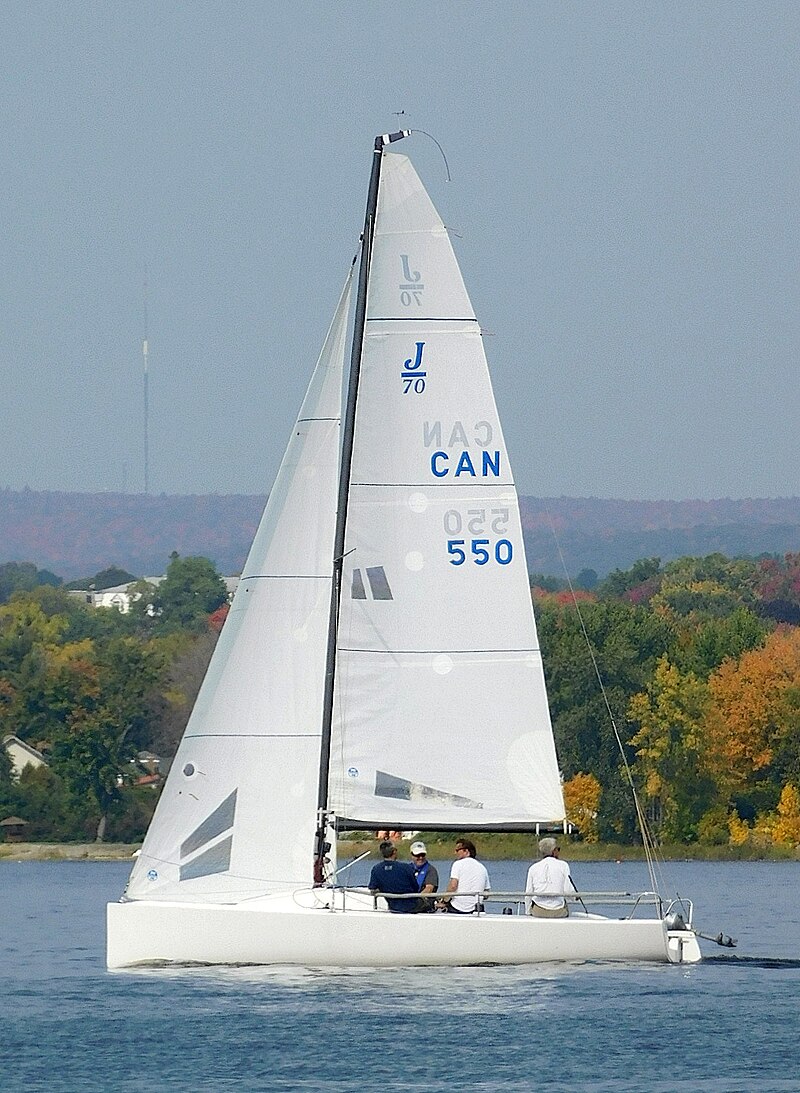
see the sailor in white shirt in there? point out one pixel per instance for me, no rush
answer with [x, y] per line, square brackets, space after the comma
[466, 875]
[548, 882]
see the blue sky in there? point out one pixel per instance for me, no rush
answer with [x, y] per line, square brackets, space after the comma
[624, 185]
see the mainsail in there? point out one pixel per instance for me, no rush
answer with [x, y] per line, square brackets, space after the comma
[439, 714]
[440, 710]
[237, 815]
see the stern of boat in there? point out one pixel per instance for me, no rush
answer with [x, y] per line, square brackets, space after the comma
[683, 947]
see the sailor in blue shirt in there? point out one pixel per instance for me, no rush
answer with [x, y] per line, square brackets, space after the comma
[426, 874]
[391, 875]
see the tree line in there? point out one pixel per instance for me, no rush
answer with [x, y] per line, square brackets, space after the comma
[92, 688]
[700, 667]
[695, 664]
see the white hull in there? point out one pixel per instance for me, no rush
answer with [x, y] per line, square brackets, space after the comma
[280, 930]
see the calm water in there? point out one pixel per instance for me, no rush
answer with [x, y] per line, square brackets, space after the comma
[729, 1025]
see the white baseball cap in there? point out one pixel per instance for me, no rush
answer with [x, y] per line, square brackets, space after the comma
[418, 848]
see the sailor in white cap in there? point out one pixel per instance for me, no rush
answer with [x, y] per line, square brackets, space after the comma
[426, 874]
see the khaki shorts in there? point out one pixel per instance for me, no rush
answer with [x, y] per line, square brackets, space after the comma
[546, 912]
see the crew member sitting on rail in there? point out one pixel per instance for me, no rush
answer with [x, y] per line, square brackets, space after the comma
[391, 875]
[548, 882]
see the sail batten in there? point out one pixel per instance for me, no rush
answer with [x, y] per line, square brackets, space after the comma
[249, 735]
[286, 577]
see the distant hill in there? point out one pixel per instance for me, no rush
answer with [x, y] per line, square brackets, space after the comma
[605, 535]
[77, 534]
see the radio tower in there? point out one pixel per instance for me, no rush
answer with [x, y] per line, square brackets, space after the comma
[146, 406]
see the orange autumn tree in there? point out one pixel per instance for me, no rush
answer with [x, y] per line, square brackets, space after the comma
[752, 726]
[582, 795]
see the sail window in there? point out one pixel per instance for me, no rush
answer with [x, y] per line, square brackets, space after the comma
[215, 860]
[401, 789]
[220, 820]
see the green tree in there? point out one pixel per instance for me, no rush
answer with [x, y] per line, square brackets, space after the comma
[23, 626]
[41, 799]
[142, 610]
[621, 581]
[697, 589]
[696, 601]
[22, 577]
[706, 645]
[191, 590]
[82, 620]
[626, 641]
[103, 732]
[89, 758]
[27, 637]
[735, 574]
[670, 763]
[587, 579]
[6, 781]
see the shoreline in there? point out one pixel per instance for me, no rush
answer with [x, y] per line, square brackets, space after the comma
[493, 846]
[21, 852]
[490, 848]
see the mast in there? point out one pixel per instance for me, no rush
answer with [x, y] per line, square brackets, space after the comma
[359, 323]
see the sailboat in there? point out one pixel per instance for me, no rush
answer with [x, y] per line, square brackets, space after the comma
[379, 667]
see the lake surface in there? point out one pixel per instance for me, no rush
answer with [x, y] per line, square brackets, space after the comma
[728, 1025]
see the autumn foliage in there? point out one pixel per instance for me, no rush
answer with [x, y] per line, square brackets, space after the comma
[582, 795]
[696, 664]
[755, 712]
[92, 689]
[712, 731]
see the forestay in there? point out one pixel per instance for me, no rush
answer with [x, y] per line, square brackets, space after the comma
[440, 715]
[237, 815]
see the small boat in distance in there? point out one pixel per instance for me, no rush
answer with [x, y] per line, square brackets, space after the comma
[380, 666]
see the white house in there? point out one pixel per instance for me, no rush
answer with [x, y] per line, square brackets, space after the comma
[121, 597]
[21, 754]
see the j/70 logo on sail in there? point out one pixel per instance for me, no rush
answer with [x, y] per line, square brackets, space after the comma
[411, 287]
[412, 375]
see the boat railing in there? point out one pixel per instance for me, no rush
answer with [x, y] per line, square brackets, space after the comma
[679, 913]
[583, 900]
[516, 902]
